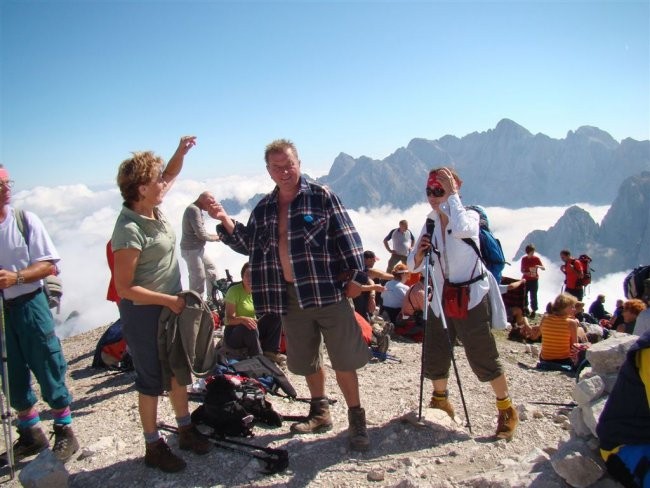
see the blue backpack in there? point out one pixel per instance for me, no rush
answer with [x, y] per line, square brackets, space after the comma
[490, 252]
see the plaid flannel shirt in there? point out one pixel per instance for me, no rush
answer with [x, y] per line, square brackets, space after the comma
[325, 249]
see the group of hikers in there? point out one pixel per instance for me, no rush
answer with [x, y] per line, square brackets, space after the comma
[305, 266]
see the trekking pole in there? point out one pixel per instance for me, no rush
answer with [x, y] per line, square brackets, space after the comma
[5, 404]
[430, 225]
[453, 359]
[425, 314]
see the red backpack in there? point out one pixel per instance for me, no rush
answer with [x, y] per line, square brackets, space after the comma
[586, 270]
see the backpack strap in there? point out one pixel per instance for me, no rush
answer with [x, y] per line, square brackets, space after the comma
[22, 223]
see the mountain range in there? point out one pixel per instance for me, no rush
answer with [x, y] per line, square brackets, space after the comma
[620, 242]
[509, 167]
[506, 166]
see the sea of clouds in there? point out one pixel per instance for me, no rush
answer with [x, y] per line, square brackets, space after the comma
[80, 222]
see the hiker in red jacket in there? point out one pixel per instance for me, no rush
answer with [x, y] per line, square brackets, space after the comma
[572, 268]
[530, 265]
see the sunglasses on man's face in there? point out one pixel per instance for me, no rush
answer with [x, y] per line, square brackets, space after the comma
[436, 191]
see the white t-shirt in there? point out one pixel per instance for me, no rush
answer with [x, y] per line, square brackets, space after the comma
[14, 254]
[394, 295]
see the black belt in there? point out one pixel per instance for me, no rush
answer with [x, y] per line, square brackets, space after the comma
[12, 302]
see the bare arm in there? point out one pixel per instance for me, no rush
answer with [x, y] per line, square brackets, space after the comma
[34, 272]
[233, 319]
[125, 263]
[175, 163]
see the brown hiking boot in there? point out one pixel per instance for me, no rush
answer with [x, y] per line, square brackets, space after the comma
[190, 439]
[65, 442]
[442, 404]
[357, 432]
[30, 441]
[276, 357]
[318, 420]
[507, 423]
[159, 455]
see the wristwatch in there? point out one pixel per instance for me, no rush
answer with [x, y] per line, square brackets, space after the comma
[20, 279]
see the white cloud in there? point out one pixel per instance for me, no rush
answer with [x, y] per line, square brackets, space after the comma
[81, 221]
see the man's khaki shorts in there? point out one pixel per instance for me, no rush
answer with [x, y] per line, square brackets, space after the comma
[307, 329]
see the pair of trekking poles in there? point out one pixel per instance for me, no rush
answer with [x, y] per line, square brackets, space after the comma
[5, 403]
[428, 264]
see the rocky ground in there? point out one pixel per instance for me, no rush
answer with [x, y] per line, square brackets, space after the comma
[404, 453]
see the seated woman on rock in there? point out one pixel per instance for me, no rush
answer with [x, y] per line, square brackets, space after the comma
[521, 328]
[396, 290]
[631, 310]
[559, 330]
[243, 330]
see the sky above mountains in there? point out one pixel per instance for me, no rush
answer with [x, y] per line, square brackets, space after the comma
[85, 83]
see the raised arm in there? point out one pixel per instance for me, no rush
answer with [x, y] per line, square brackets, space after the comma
[175, 163]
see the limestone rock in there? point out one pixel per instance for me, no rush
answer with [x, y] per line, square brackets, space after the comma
[46, 471]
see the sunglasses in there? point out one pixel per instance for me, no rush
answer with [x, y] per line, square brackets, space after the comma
[6, 184]
[435, 191]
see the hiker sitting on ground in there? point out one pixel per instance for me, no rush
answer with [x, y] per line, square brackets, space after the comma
[396, 290]
[560, 331]
[631, 310]
[148, 278]
[597, 309]
[243, 329]
[583, 316]
[521, 328]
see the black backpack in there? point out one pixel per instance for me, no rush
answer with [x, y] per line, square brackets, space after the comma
[232, 404]
[633, 284]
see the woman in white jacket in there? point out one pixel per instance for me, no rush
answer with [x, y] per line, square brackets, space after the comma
[469, 296]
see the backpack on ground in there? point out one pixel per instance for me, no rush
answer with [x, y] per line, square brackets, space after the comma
[586, 270]
[266, 372]
[633, 284]
[490, 252]
[52, 284]
[232, 404]
[111, 351]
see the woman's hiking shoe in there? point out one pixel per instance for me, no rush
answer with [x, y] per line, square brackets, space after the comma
[318, 420]
[31, 440]
[65, 442]
[357, 432]
[190, 439]
[507, 423]
[159, 455]
[442, 404]
[276, 357]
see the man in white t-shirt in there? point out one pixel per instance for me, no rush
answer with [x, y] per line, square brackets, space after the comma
[402, 241]
[27, 256]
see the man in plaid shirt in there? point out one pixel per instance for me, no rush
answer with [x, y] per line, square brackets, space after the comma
[306, 258]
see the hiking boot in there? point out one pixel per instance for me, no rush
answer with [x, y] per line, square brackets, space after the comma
[318, 420]
[507, 423]
[30, 441]
[442, 404]
[190, 439]
[357, 433]
[65, 442]
[276, 357]
[159, 455]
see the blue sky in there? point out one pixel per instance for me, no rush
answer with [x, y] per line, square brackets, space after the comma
[85, 83]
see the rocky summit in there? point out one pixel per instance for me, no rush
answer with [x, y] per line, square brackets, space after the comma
[405, 452]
